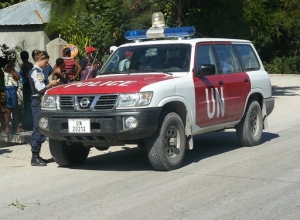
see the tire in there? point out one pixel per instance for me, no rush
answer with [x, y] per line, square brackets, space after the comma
[68, 155]
[166, 148]
[102, 147]
[142, 143]
[249, 129]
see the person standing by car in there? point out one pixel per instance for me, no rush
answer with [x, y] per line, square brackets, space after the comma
[70, 66]
[91, 69]
[56, 74]
[11, 87]
[2, 99]
[25, 69]
[38, 88]
[87, 62]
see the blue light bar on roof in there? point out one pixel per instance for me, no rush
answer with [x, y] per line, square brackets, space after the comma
[179, 32]
[136, 34]
[167, 32]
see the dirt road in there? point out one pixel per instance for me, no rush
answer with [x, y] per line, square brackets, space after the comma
[218, 180]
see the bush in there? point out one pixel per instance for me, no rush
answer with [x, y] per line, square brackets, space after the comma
[283, 65]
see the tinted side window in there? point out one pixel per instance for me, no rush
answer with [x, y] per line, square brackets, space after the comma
[204, 55]
[248, 57]
[228, 59]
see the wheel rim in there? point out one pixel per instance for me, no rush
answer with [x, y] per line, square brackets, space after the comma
[172, 142]
[254, 123]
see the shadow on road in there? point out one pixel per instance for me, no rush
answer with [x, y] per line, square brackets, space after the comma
[6, 144]
[215, 143]
[135, 159]
[127, 159]
[285, 91]
[4, 151]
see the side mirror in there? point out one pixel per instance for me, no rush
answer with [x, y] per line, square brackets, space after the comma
[206, 70]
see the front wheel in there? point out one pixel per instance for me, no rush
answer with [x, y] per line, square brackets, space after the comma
[249, 129]
[68, 155]
[166, 147]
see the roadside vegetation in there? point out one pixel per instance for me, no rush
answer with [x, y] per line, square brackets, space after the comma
[272, 25]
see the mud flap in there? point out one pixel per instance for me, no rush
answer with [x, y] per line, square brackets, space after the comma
[264, 115]
[188, 133]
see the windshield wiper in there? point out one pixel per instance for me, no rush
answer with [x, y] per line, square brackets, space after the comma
[159, 71]
[112, 72]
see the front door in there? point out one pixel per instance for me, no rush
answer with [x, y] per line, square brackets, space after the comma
[210, 91]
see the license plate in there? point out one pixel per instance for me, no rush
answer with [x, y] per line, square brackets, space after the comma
[79, 125]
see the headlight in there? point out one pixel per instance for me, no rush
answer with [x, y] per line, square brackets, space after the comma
[48, 101]
[135, 99]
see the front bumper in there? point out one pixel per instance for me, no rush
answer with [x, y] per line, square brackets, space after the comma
[106, 126]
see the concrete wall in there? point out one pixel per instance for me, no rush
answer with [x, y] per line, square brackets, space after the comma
[54, 49]
[34, 38]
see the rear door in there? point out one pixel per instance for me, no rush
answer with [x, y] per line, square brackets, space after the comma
[237, 83]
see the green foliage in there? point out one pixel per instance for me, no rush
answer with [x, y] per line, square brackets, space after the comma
[216, 18]
[64, 21]
[71, 32]
[4, 49]
[283, 65]
[272, 25]
[173, 13]
[101, 26]
[62, 10]
[137, 13]
[21, 46]
[4, 4]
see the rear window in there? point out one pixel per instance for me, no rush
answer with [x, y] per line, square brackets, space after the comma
[248, 57]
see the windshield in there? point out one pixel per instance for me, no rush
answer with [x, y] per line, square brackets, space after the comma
[149, 58]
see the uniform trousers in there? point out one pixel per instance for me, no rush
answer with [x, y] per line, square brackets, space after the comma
[37, 137]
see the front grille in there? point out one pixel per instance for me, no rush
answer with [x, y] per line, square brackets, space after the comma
[106, 102]
[66, 103]
[85, 103]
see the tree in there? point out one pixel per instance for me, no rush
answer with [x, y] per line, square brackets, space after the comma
[103, 23]
[81, 22]
[4, 4]
[274, 26]
[64, 22]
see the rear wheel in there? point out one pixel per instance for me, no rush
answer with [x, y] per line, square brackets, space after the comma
[249, 129]
[68, 155]
[166, 148]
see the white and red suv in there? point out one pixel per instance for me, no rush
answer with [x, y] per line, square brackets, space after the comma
[159, 94]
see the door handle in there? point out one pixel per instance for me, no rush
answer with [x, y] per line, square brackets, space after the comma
[246, 80]
[220, 83]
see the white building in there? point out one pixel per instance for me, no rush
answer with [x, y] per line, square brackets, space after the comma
[25, 22]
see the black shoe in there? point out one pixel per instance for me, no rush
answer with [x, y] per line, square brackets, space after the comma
[36, 160]
[45, 160]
